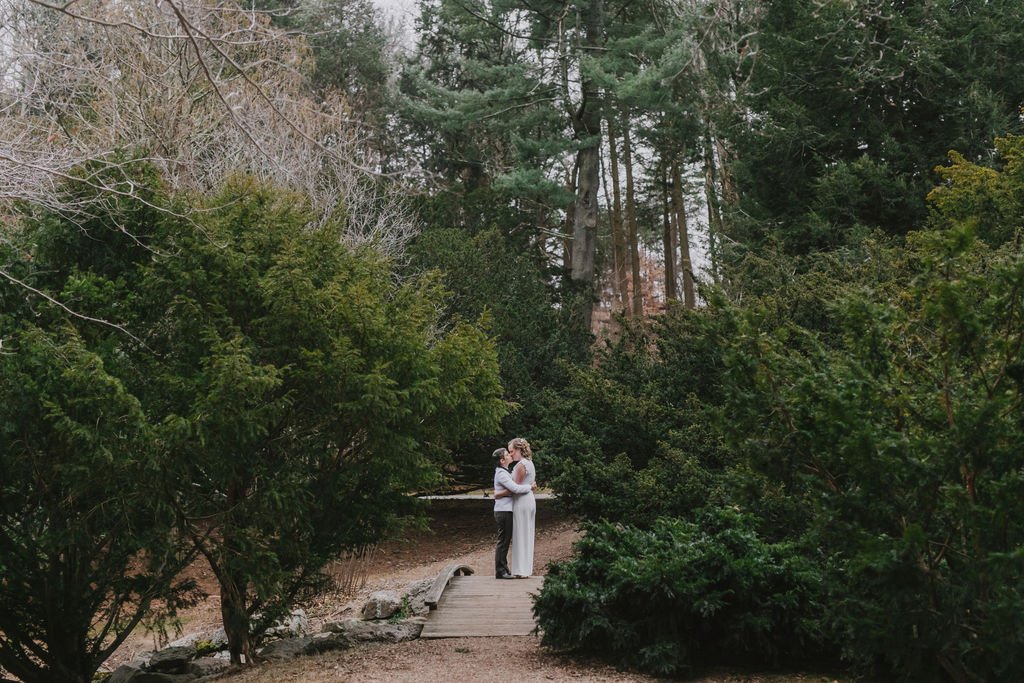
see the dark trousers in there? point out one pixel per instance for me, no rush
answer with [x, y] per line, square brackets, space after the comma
[504, 520]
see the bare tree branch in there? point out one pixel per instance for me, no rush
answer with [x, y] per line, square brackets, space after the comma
[99, 321]
[201, 89]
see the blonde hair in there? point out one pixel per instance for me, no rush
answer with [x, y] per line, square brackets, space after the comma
[523, 445]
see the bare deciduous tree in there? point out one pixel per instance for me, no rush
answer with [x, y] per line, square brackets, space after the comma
[201, 89]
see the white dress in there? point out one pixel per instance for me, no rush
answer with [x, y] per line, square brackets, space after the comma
[524, 519]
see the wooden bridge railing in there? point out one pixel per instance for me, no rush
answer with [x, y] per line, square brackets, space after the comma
[441, 582]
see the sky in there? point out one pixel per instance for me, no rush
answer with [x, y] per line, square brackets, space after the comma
[401, 10]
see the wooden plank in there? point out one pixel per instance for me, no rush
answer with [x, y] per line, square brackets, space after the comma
[491, 584]
[442, 580]
[480, 606]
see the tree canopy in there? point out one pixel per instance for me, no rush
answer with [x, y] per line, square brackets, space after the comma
[747, 274]
[275, 394]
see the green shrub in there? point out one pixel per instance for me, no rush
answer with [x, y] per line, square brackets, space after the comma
[635, 436]
[900, 433]
[205, 646]
[682, 595]
[403, 613]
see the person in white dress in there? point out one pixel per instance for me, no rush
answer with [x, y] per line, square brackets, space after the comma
[505, 488]
[524, 509]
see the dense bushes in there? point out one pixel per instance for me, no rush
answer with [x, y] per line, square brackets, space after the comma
[683, 594]
[864, 412]
[236, 383]
[87, 544]
[636, 435]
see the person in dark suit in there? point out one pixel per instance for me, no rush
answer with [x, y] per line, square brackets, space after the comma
[505, 488]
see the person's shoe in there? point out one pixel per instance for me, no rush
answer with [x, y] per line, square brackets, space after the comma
[506, 575]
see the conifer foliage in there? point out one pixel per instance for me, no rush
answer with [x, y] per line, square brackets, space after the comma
[864, 410]
[269, 399]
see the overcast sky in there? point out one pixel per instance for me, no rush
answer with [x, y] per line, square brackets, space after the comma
[403, 10]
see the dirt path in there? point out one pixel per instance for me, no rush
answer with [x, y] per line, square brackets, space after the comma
[459, 532]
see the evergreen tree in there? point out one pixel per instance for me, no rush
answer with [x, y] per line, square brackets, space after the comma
[303, 395]
[237, 375]
[851, 105]
[501, 84]
[88, 540]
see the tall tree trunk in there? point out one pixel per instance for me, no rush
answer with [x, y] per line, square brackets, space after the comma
[567, 228]
[631, 227]
[686, 263]
[621, 255]
[667, 241]
[715, 228]
[235, 616]
[729, 193]
[587, 127]
[584, 234]
[234, 587]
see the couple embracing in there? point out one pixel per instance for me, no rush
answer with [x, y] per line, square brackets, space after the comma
[515, 509]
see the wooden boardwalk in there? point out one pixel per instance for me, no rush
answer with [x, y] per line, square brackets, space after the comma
[477, 606]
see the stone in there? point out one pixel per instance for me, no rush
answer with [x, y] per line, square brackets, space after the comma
[141, 660]
[417, 594]
[288, 648]
[376, 631]
[123, 673]
[328, 642]
[381, 605]
[294, 625]
[208, 666]
[340, 626]
[161, 677]
[204, 641]
[171, 659]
